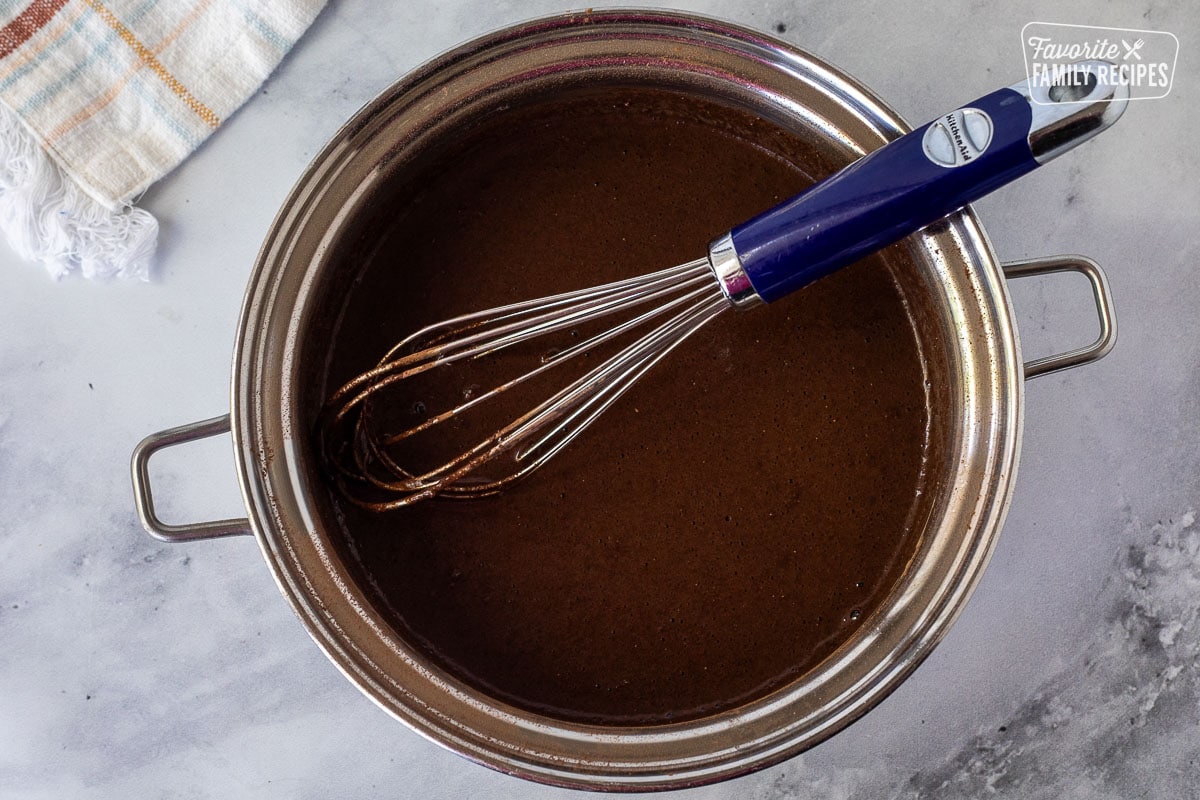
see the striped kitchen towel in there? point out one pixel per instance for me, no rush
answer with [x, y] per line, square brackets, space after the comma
[100, 98]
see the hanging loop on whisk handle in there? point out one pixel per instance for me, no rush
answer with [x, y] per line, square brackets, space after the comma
[916, 180]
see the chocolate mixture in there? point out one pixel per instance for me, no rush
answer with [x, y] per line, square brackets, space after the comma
[735, 517]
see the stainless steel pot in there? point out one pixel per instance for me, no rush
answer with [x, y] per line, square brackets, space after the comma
[953, 281]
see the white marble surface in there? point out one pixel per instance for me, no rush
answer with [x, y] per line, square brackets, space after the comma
[130, 668]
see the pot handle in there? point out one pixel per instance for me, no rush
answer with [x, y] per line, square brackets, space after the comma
[144, 501]
[1104, 309]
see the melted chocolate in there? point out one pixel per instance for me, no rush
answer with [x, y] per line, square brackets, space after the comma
[735, 517]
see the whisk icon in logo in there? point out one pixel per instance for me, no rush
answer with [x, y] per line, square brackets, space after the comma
[1141, 60]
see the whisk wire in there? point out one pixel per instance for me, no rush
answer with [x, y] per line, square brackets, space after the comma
[645, 357]
[408, 358]
[687, 294]
[512, 324]
[574, 408]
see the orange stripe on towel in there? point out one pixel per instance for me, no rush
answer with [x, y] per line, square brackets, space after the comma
[150, 60]
[86, 113]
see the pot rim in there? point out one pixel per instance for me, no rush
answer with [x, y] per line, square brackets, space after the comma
[338, 617]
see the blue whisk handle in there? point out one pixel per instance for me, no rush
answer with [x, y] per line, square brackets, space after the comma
[888, 194]
[912, 182]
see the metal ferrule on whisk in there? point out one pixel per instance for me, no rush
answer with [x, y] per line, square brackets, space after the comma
[731, 275]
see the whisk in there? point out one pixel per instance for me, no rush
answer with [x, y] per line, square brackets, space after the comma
[884, 196]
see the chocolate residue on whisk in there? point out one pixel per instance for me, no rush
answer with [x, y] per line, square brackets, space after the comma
[735, 517]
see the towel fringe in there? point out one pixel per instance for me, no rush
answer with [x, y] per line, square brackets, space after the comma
[48, 218]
